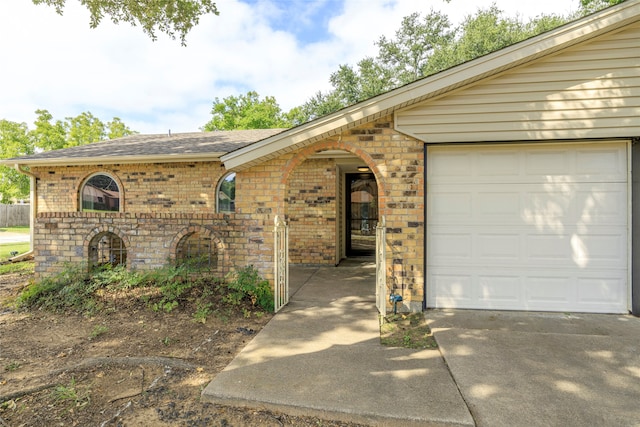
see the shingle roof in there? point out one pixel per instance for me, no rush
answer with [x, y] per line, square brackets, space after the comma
[150, 148]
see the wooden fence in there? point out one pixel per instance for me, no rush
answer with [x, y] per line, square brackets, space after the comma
[14, 215]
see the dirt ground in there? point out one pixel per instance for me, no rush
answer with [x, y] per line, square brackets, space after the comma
[128, 367]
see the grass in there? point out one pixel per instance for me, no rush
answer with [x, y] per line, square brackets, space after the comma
[408, 330]
[12, 366]
[71, 394]
[7, 248]
[18, 267]
[97, 331]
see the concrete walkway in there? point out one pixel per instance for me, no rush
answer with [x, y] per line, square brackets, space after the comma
[321, 356]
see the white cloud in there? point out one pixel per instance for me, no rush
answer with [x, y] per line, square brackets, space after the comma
[60, 64]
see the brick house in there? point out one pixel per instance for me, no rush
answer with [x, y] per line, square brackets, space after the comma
[506, 183]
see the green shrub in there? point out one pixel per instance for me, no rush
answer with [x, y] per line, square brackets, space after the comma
[246, 284]
[163, 290]
[69, 289]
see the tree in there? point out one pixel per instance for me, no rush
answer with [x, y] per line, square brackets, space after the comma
[246, 112]
[173, 18]
[15, 141]
[599, 4]
[406, 57]
[485, 32]
[83, 129]
[117, 129]
[49, 135]
[423, 46]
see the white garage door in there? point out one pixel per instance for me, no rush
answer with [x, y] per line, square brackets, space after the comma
[533, 227]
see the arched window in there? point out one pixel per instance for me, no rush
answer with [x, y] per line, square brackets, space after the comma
[107, 248]
[100, 193]
[227, 193]
[197, 250]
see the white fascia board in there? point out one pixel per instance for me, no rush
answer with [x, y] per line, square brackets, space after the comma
[210, 157]
[469, 72]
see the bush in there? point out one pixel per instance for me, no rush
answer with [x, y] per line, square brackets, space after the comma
[70, 289]
[165, 289]
[246, 284]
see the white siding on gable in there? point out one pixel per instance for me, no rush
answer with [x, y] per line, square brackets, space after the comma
[591, 90]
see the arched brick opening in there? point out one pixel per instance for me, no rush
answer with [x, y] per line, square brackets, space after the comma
[315, 206]
[106, 245]
[309, 151]
[202, 234]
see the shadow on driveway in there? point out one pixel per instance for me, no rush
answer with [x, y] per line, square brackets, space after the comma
[543, 369]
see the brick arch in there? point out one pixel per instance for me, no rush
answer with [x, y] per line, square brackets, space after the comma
[104, 229]
[91, 173]
[192, 229]
[307, 152]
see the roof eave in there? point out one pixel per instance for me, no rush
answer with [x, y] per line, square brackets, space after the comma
[109, 160]
[544, 44]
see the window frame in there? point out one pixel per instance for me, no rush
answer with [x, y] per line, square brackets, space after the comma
[232, 202]
[113, 178]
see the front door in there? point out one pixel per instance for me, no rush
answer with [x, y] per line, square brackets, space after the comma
[362, 214]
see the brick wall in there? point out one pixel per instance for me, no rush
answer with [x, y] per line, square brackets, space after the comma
[160, 187]
[311, 212]
[397, 161]
[161, 200]
[151, 239]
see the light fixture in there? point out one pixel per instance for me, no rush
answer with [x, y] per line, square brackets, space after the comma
[363, 169]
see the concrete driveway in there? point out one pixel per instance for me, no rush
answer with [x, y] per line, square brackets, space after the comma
[11, 237]
[322, 356]
[543, 369]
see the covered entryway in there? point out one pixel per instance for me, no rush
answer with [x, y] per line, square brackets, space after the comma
[331, 205]
[528, 227]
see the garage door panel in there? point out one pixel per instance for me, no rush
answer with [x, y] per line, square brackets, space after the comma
[495, 289]
[455, 204]
[452, 246]
[536, 163]
[504, 164]
[495, 205]
[600, 250]
[549, 289]
[528, 204]
[527, 290]
[602, 204]
[454, 165]
[467, 246]
[608, 250]
[452, 289]
[499, 246]
[547, 231]
[610, 164]
[546, 161]
[600, 291]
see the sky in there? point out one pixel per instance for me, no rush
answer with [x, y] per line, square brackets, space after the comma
[281, 48]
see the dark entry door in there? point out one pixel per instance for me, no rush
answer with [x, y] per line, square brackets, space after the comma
[362, 214]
